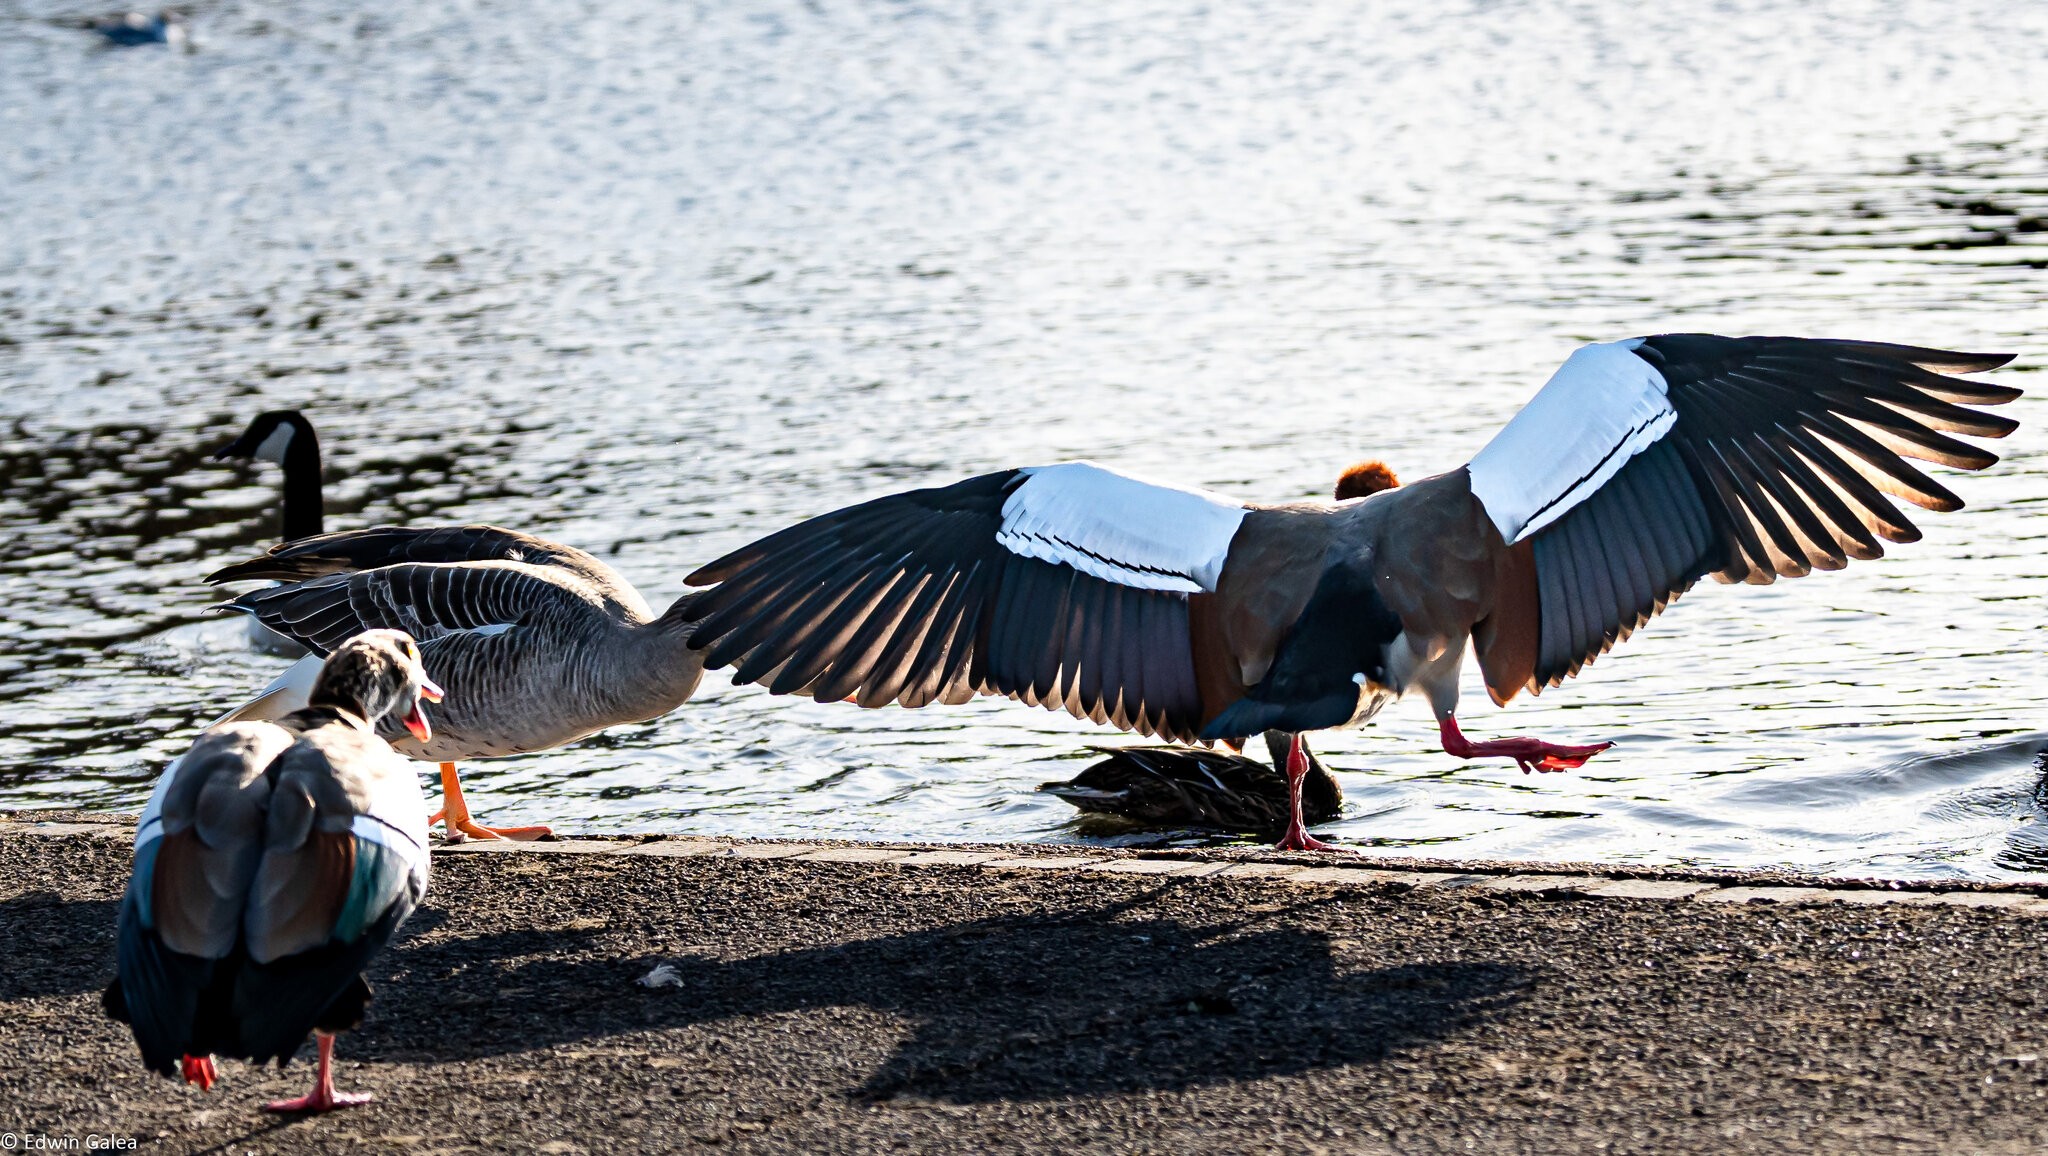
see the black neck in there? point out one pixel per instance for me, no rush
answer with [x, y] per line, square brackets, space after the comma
[304, 510]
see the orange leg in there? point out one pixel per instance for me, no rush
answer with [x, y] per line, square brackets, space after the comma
[460, 826]
[323, 1097]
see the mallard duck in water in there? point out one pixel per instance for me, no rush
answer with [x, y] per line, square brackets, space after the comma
[273, 860]
[1191, 787]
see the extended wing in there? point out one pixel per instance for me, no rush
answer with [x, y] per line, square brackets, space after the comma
[426, 600]
[1643, 465]
[1064, 586]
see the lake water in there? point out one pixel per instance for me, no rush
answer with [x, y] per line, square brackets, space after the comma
[657, 279]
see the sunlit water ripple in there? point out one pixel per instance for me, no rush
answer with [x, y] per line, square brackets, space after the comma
[657, 280]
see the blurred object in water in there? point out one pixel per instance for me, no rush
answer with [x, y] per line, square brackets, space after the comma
[133, 29]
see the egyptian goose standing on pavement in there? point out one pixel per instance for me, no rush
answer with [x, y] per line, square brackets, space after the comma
[273, 860]
[1641, 466]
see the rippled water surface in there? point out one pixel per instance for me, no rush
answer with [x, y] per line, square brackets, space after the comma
[656, 279]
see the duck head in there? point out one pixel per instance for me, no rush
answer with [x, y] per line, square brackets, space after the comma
[374, 674]
[1365, 478]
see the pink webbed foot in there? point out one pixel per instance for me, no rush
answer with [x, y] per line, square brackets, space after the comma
[319, 1100]
[1297, 837]
[200, 1070]
[1529, 754]
[323, 1097]
[1298, 840]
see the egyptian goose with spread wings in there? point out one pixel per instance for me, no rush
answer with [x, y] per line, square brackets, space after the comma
[1641, 466]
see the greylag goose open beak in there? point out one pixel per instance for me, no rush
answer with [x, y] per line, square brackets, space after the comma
[540, 644]
[274, 860]
[415, 718]
[1640, 467]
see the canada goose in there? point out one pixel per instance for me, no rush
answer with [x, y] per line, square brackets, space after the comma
[1191, 787]
[542, 643]
[273, 860]
[1641, 466]
[285, 437]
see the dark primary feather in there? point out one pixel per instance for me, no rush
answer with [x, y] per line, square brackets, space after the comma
[1785, 457]
[1191, 787]
[910, 599]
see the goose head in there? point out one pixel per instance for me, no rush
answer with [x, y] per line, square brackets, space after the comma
[270, 437]
[1364, 479]
[374, 674]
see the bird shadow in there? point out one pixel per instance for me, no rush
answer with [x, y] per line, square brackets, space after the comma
[55, 946]
[1033, 1006]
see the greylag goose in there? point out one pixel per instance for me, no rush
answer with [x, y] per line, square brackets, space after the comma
[273, 860]
[542, 643]
[1191, 787]
[286, 438]
[1640, 467]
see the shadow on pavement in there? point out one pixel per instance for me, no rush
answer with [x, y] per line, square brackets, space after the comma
[55, 946]
[1032, 1006]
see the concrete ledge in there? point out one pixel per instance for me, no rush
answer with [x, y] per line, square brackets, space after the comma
[1147, 867]
[1664, 889]
[948, 859]
[1766, 895]
[677, 848]
[1039, 863]
[1306, 869]
[1569, 884]
[770, 850]
[854, 855]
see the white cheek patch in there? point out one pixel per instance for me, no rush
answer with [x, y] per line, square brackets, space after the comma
[273, 447]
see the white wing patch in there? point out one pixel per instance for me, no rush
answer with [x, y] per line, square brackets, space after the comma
[1120, 528]
[1603, 406]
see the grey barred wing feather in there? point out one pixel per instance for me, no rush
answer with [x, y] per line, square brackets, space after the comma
[350, 551]
[1062, 586]
[426, 600]
[1644, 465]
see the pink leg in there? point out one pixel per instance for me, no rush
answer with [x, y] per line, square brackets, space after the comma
[1297, 837]
[1529, 754]
[323, 1097]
